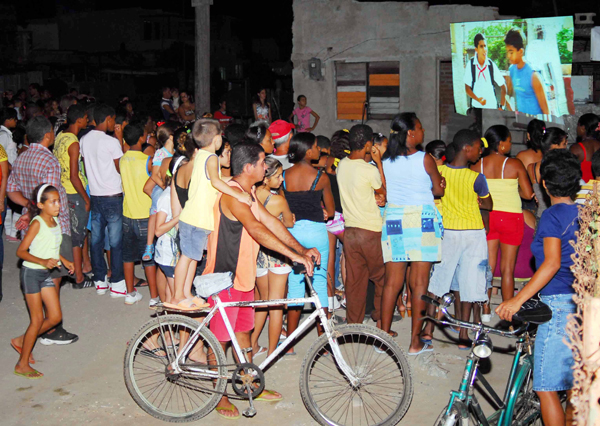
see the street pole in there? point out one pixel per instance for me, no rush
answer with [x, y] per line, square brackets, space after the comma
[202, 80]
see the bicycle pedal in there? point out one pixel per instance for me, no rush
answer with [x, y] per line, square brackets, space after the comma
[249, 412]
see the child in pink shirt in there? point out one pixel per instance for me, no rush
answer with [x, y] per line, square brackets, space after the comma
[303, 114]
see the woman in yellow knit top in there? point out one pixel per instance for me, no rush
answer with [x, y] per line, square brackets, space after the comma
[508, 182]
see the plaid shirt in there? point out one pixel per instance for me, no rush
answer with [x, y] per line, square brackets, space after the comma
[34, 167]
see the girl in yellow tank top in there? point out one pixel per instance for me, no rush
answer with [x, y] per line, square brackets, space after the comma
[508, 182]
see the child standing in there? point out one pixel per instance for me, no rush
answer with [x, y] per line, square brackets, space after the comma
[40, 251]
[524, 83]
[155, 184]
[303, 114]
[135, 169]
[464, 244]
[196, 221]
[167, 252]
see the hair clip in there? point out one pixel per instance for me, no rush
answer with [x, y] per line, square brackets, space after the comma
[336, 162]
[443, 158]
[347, 151]
[393, 132]
[346, 130]
[188, 131]
[485, 143]
[160, 123]
[258, 134]
[169, 173]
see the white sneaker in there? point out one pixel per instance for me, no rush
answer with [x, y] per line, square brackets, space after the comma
[133, 297]
[153, 303]
[118, 289]
[101, 287]
[486, 318]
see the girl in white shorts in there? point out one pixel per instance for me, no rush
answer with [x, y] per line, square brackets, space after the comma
[272, 268]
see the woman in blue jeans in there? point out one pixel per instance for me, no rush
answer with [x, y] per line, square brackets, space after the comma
[553, 280]
[305, 188]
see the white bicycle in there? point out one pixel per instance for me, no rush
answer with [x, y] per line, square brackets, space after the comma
[176, 370]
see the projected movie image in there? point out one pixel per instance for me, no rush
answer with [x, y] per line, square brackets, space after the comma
[514, 65]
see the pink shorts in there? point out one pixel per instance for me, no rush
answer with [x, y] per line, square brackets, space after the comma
[335, 226]
[241, 318]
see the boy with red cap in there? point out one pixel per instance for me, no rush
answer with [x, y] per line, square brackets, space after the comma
[281, 132]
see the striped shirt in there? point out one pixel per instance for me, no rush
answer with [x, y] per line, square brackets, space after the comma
[35, 166]
[460, 200]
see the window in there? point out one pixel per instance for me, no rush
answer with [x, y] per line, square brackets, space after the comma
[152, 30]
[379, 82]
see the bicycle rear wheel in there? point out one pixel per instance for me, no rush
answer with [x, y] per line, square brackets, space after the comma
[169, 397]
[385, 390]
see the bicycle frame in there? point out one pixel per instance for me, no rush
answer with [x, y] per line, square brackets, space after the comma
[241, 354]
[464, 397]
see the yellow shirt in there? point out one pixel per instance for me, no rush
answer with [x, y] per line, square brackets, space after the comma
[3, 155]
[358, 181]
[198, 210]
[46, 244]
[460, 204]
[134, 174]
[61, 151]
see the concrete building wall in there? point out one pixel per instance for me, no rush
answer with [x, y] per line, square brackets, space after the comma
[414, 34]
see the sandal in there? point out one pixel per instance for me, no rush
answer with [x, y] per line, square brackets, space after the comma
[141, 283]
[262, 395]
[19, 349]
[261, 351]
[33, 375]
[154, 353]
[426, 348]
[148, 252]
[86, 283]
[393, 333]
[188, 305]
[231, 409]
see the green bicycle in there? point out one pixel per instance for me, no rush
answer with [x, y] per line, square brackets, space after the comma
[520, 405]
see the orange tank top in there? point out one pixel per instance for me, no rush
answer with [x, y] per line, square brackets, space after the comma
[231, 248]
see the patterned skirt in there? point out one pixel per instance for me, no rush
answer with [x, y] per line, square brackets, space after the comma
[412, 234]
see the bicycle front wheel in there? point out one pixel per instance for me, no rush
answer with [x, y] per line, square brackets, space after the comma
[385, 388]
[454, 418]
[170, 397]
[527, 405]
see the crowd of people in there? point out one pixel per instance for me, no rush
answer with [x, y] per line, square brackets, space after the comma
[195, 196]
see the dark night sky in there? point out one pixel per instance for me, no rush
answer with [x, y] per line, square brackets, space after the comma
[265, 19]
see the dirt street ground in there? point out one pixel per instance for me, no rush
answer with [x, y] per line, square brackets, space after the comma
[83, 382]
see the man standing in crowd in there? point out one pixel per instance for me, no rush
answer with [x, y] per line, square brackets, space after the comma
[233, 246]
[281, 132]
[166, 103]
[481, 73]
[101, 154]
[34, 167]
[359, 181]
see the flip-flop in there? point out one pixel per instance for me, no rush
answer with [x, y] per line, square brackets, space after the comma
[268, 392]
[141, 283]
[261, 351]
[188, 305]
[426, 341]
[230, 409]
[426, 348]
[154, 353]
[393, 333]
[32, 375]
[19, 349]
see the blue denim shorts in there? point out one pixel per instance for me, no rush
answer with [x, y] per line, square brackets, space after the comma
[135, 234]
[192, 241]
[552, 358]
[169, 271]
[464, 262]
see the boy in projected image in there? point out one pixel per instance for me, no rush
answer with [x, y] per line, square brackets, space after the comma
[480, 75]
[524, 83]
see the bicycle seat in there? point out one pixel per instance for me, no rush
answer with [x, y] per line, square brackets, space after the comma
[534, 311]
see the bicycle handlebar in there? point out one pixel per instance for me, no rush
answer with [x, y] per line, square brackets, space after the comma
[466, 324]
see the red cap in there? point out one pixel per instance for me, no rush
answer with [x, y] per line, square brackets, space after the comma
[280, 128]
